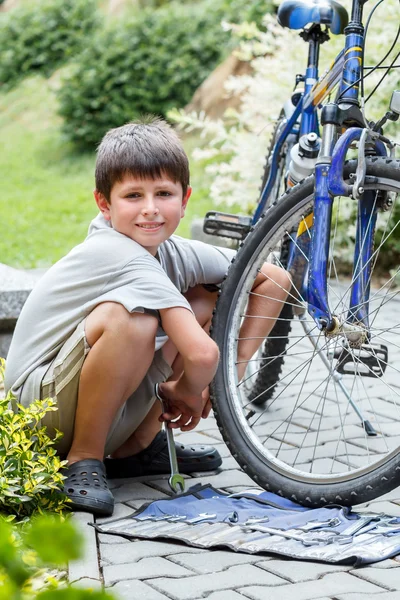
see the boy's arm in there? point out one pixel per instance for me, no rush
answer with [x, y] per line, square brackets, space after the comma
[200, 359]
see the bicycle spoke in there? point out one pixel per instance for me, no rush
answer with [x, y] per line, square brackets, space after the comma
[320, 406]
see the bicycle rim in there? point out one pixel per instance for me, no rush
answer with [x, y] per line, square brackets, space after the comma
[308, 432]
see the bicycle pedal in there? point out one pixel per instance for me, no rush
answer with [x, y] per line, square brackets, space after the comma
[368, 361]
[226, 225]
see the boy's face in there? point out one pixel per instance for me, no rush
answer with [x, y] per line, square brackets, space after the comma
[146, 210]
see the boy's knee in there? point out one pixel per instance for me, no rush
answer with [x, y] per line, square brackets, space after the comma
[114, 318]
[277, 276]
[281, 277]
[202, 302]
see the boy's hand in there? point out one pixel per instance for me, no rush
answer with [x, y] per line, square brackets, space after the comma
[207, 403]
[184, 406]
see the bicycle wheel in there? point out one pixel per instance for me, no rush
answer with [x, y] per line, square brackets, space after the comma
[307, 443]
[283, 160]
[259, 382]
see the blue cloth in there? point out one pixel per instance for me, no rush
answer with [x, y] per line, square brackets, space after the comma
[258, 521]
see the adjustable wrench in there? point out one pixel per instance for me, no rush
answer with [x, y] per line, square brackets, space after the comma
[176, 481]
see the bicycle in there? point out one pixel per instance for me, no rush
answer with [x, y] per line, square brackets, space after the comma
[316, 424]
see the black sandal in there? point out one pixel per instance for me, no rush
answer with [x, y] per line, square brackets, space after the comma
[86, 485]
[154, 460]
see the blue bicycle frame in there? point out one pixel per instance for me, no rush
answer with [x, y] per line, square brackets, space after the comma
[346, 71]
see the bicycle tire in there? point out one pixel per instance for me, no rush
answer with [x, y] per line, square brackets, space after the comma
[358, 482]
[262, 389]
[283, 161]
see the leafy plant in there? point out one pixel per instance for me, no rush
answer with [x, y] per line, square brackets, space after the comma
[40, 35]
[252, 11]
[27, 552]
[236, 146]
[30, 476]
[145, 64]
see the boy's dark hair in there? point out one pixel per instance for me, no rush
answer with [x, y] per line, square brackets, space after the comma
[146, 148]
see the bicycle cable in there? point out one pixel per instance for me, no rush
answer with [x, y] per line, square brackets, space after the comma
[383, 76]
[364, 76]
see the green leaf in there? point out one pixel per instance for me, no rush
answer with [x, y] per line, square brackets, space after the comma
[54, 539]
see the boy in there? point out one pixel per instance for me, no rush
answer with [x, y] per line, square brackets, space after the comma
[122, 311]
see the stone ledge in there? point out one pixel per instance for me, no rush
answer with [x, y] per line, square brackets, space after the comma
[15, 287]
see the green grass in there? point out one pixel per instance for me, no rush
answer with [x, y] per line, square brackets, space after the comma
[46, 200]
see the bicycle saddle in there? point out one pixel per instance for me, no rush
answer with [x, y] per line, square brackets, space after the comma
[296, 14]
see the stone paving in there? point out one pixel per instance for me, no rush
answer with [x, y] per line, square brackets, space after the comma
[156, 570]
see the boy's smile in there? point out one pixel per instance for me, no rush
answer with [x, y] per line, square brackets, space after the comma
[146, 210]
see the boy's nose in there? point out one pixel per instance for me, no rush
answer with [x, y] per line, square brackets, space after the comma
[150, 208]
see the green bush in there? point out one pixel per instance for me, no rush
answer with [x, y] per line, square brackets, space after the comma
[30, 477]
[40, 35]
[238, 11]
[147, 64]
[26, 553]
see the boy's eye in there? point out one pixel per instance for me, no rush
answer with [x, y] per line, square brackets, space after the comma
[133, 195]
[164, 193]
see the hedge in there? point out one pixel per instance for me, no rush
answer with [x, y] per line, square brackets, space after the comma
[41, 35]
[149, 63]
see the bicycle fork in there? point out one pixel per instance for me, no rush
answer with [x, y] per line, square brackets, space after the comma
[310, 276]
[329, 183]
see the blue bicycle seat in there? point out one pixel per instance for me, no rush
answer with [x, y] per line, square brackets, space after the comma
[296, 14]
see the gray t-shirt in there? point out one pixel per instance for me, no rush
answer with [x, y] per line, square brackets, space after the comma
[107, 267]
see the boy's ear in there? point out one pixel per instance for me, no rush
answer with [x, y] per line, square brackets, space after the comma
[185, 201]
[103, 204]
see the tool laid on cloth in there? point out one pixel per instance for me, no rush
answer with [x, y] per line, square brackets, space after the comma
[255, 521]
[176, 481]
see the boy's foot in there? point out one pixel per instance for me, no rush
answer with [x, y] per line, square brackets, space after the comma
[86, 486]
[154, 460]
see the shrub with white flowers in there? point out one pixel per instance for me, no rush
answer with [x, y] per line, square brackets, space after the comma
[235, 146]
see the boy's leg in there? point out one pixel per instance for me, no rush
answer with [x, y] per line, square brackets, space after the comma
[269, 292]
[202, 303]
[110, 374]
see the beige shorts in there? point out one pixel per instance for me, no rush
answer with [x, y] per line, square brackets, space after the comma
[61, 382]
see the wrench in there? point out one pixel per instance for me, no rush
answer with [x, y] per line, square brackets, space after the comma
[176, 481]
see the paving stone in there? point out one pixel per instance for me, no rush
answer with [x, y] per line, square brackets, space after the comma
[120, 510]
[383, 596]
[200, 585]
[144, 569]
[220, 480]
[130, 590]
[207, 425]
[87, 584]
[203, 474]
[379, 506]
[393, 496]
[388, 578]
[197, 437]
[213, 561]
[136, 504]
[131, 552]
[222, 449]
[226, 595]
[106, 539]
[229, 463]
[307, 572]
[88, 566]
[389, 563]
[135, 490]
[331, 585]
